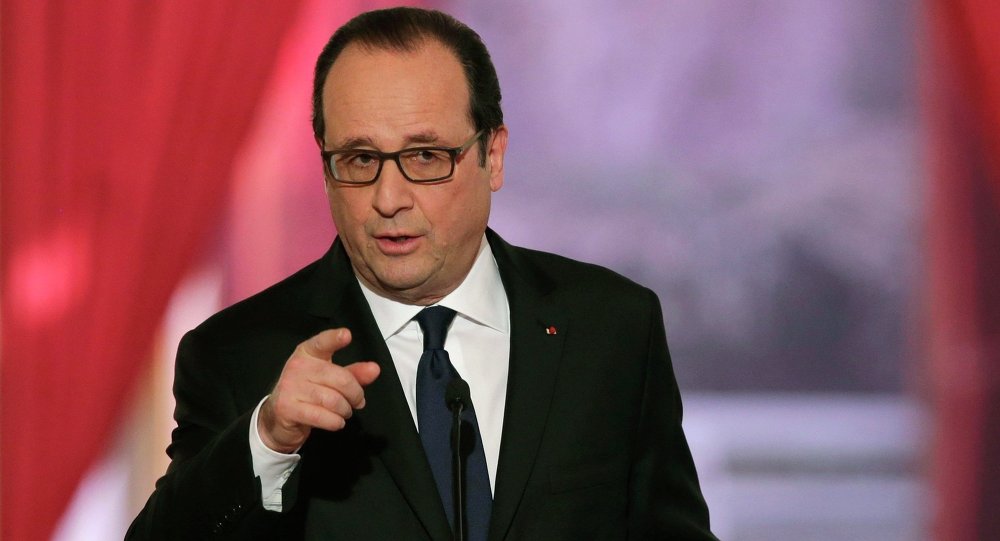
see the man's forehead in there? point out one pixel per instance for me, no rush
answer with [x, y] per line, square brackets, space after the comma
[383, 98]
[368, 69]
[365, 51]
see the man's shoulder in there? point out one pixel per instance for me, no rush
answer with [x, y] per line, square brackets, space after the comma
[567, 269]
[279, 305]
[573, 278]
[599, 300]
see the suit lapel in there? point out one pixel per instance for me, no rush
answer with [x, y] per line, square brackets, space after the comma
[535, 354]
[386, 416]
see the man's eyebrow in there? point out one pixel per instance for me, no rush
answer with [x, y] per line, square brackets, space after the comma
[424, 137]
[420, 138]
[355, 142]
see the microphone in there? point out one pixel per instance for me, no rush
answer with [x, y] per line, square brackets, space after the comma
[458, 398]
[457, 394]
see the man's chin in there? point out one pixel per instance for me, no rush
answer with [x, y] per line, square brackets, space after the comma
[406, 287]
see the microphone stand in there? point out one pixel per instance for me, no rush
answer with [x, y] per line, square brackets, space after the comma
[457, 397]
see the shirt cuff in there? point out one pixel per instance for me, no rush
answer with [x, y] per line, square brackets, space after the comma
[272, 467]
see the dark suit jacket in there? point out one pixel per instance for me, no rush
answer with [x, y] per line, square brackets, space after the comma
[591, 448]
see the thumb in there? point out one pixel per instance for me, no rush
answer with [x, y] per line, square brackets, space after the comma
[326, 343]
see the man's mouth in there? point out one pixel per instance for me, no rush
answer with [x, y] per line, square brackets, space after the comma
[397, 244]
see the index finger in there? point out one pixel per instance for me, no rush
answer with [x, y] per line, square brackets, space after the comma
[326, 343]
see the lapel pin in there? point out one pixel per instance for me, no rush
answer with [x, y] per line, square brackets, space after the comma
[550, 330]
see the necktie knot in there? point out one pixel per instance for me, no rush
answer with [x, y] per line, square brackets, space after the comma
[434, 322]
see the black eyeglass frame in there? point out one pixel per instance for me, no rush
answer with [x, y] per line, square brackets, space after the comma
[453, 152]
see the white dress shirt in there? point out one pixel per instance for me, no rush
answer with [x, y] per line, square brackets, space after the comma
[478, 344]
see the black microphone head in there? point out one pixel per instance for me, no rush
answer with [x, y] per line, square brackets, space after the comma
[457, 394]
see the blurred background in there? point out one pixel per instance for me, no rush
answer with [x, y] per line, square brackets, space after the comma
[812, 188]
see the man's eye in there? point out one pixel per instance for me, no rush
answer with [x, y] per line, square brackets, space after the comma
[427, 156]
[363, 159]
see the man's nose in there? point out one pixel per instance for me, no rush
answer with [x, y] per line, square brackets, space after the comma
[393, 192]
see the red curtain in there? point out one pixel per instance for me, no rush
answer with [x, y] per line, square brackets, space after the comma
[962, 79]
[118, 128]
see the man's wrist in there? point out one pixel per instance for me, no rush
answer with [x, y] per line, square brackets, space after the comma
[272, 467]
[264, 429]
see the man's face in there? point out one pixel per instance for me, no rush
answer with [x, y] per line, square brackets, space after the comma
[410, 242]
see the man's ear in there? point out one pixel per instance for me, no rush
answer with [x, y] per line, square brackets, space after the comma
[494, 157]
[326, 179]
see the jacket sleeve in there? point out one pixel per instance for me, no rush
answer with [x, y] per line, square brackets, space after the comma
[209, 490]
[665, 498]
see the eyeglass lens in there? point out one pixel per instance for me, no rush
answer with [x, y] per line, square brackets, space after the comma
[417, 164]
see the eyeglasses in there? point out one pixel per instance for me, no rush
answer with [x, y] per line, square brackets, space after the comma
[362, 166]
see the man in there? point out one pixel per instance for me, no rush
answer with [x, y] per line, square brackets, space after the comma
[574, 420]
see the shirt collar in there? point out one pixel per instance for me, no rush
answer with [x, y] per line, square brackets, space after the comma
[480, 298]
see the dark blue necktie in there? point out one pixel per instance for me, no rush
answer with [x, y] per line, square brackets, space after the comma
[434, 419]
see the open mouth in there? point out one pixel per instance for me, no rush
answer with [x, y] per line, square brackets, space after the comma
[397, 244]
